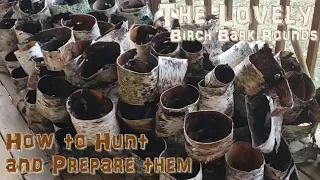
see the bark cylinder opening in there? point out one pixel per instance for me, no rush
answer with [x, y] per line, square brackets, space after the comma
[173, 153]
[108, 7]
[100, 16]
[193, 51]
[174, 104]
[32, 113]
[12, 61]
[208, 135]
[51, 101]
[161, 45]
[244, 162]
[24, 30]
[220, 76]
[217, 99]
[51, 54]
[92, 112]
[137, 78]
[19, 78]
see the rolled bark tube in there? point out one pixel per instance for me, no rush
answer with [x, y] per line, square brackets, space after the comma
[140, 36]
[32, 113]
[51, 55]
[11, 61]
[161, 45]
[105, 27]
[265, 129]
[6, 9]
[173, 153]
[153, 149]
[303, 91]
[140, 14]
[279, 165]
[220, 76]
[142, 85]
[193, 51]
[172, 72]
[233, 56]
[84, 26]
[174, 104]
[26, 54]
[51, 101]
[217, 99]
[19, 78]
[208, 135]
[25, 30]
[33, 11]
[244, 162]
[108, 7]
[8, 41]
[90, 113]
[100, 16]
[137, 117]
[69, 6]
[288, 62]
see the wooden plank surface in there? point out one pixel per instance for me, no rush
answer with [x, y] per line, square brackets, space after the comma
[11, 122]
[254, 24]
[189, 2]
[282, 27]
[229, 5]
[208, 6]
[311, 170]
[314, 45]
[4, 155]
[46, 175]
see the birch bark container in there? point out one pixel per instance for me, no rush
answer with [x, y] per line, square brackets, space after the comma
[84, 26]
[95, 113]
[100, 16]
[6, 9]
[32, 113]
[98, 63]
[108, 7]
[279, 164]
[24, 30]
[208, 135]
[8, 41]
[303, 91]
[244, 162]
[140, 36]
[51, 55]
[60, 145]
[193, 51]
[154, 148]
[105, 27]
[174, 104]
[33, 11]
[136, 15]
[19, 78]
[217, 99]
[69, 6]
[265, 129]
[196, 168]
[26, 54]
[222, 75]
[137, 117]
[11, 61]
[137, 88]
[51, 101]
[161, 45]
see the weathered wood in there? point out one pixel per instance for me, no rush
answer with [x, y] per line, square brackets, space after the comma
[229, 5]
[310, 169]
[189, 2]
[282, 27]
[314, 45]
[4, 155]
[154, 5]
[46, 174]
[208, 6]
[254, 24]
[11, 122]
[81, 177]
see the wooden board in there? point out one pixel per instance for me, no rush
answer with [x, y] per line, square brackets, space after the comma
[4, 155]
[46, 175]
[311, 170]
[11, 122]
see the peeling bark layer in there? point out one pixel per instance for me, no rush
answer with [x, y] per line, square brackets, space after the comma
[137, 88]
[244, 162]
[24, 30]
[208, 135]
[295, 133]
[174, 104]
[181, 153]
[51, 101]
[87, 123]
[11, 61]
[8, 41]
[73, 6]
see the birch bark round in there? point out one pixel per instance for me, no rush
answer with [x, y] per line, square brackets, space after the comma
[89, 127]
[169, 118]
[85, 27]
[11, 61]
[26, 54]
[136, 88]
[43, 13]
[141, 15]
[217, 99]
[159, 40]
[205, 152]
[193, 51]
[51, 102]
[32, 113]
[8, 41]
[80, 6]
[244, 162]
[100, 6]
[143, 50]
[220, 76]
[19, 78]
[24, 30]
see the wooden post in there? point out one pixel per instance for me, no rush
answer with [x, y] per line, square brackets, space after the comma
[229, 5]
[254, 25]
[314, 45]
[172, 1]
[189, 2]
[282, 27]
[154, 5]
[208, 6]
